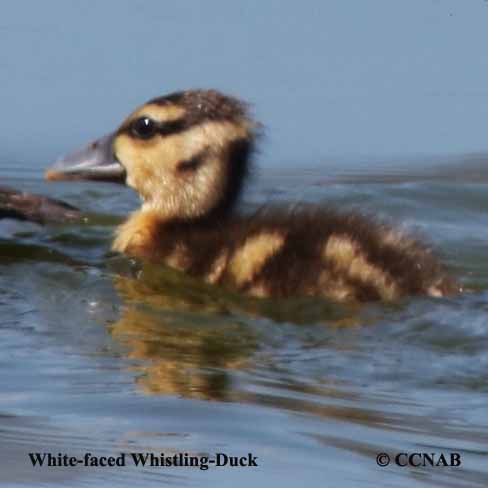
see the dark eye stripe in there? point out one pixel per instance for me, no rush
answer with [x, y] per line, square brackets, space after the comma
[172, 127]
[162, 128]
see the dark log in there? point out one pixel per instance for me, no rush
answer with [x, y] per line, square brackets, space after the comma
[20, 205]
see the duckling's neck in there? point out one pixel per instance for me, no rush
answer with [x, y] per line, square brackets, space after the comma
[138, 235]
[143, 233]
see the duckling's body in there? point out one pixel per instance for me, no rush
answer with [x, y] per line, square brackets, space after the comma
[188, 155]
[278, 253]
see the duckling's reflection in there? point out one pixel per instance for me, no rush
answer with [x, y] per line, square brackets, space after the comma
[179, 358]
[190, 336]
[185, 348]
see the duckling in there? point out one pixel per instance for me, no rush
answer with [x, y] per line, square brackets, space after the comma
[188, 155]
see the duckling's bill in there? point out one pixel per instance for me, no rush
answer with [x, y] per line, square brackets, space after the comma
[95, 161]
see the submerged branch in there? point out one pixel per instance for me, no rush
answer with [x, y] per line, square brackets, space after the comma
[19, 205]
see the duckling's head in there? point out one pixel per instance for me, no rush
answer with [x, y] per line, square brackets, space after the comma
[187, 154]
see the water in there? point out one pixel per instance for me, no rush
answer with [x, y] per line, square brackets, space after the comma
[378, 77]
[96, 356]
[101, 355]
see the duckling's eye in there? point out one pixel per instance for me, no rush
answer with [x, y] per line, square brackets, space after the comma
[144, 128]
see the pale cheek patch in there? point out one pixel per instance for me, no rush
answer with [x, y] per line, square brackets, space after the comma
[131, 157]
[149, 168]
[345, 256]
[249, 259]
